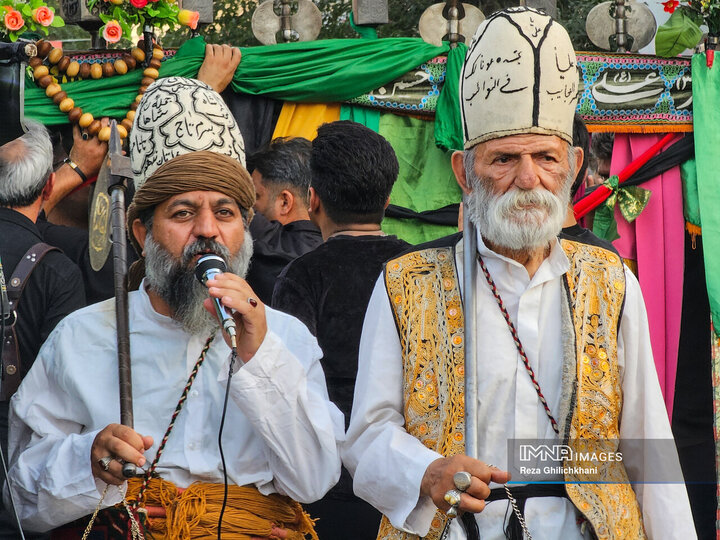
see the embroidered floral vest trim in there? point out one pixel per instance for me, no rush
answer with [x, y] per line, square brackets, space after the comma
[424, 293]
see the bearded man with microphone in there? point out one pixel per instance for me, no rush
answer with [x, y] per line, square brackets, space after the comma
[191, 215]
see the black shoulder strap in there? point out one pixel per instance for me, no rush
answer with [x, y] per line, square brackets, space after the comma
[11, 375]
[24, 268]
[4, 302]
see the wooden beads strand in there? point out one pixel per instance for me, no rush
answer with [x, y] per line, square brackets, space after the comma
[62, 67]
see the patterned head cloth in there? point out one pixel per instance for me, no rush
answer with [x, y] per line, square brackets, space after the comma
[178, 116]
[520, 76]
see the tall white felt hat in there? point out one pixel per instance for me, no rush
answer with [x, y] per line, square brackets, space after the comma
[520, 76]
[178, 116]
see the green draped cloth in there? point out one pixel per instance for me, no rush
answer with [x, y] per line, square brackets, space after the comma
[426, 180]
[310, 71]
[706, 119]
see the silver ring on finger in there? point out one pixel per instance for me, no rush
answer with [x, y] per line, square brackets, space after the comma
[462, 480]
[104, 462]
[452, 497]
[452, 512]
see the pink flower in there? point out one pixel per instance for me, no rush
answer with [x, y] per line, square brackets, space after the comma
[43, 15]
[139, 3]
[112, 32]
[14, 20]
[189, 18]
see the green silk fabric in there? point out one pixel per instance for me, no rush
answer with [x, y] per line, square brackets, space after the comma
[691, 201]
[706, 119]
[448, 122]
[426, 180]
[370, 118]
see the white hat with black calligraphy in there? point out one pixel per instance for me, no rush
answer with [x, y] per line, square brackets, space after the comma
[520, 76]
[177, 116]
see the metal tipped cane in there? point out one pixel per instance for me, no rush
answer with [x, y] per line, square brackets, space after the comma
[120, 172]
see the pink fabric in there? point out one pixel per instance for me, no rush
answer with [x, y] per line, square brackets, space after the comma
[656, 240]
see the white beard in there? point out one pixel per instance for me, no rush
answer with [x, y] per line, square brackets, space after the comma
[173, 279]
[519, 220]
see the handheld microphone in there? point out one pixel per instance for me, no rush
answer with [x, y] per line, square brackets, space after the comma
[207, 267]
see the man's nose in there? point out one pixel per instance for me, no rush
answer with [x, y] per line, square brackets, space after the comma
[205, 224]
[526, 173]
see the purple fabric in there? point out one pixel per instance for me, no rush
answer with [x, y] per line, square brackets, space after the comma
[656, 241]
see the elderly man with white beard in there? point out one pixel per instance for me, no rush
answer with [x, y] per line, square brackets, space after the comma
[279, 445]
[563, 351]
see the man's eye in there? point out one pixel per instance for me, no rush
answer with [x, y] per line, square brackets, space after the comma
[181, 214]
[225, 212]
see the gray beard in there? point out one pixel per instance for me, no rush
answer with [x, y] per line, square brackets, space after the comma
[173, 279]
[518, 220]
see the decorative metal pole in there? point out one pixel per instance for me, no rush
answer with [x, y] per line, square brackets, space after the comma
[148, 35]
[286, 22]
[620, 28]
[453, 12]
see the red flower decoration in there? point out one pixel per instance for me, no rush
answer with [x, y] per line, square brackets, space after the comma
[14, 20]
[43, 15]
[139, 3]
[671, 5]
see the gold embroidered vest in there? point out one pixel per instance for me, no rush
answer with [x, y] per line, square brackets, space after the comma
[424, 292]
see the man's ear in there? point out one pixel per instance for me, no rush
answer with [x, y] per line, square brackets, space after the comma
[140, 232]
[287, 202]
[314, 201]
[579, 155]
[49, 186]
[457, 161]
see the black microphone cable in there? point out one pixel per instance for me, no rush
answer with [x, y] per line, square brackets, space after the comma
[233, 357]
[206, 268]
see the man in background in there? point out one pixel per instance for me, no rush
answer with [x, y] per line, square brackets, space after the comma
[282, 229]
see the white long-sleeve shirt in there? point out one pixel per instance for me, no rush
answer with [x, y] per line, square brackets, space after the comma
[388, 464]
[280, 430]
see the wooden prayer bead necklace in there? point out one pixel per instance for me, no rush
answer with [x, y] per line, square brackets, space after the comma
[60, 68]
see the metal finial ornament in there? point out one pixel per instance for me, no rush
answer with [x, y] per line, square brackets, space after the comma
[621, 36]
[283, 21]
[621, 23]
[452, 21]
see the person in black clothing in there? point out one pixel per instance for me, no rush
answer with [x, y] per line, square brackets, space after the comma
[63, 221]
[281, 228]
[54, 288]
[328, 289]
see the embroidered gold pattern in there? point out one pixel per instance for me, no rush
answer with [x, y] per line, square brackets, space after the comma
[596, 283]
[429, 317]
